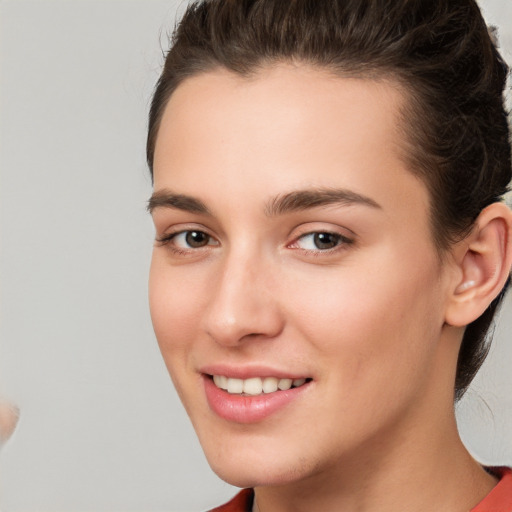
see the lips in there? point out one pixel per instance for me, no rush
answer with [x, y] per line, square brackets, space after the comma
[251, 399]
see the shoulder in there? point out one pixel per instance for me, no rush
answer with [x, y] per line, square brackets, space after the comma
[500, 498]
[242, 502]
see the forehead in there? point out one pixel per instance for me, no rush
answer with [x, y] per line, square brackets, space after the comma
[278, 96]
[282, 104]
[284, 127]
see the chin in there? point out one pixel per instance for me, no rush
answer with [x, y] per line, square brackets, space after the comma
[249, 469]
[257, 477]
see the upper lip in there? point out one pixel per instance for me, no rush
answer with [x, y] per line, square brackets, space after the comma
[250, 371]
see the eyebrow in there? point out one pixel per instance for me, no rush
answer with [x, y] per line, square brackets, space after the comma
[300, 200]
[297, 200]
[167, 199]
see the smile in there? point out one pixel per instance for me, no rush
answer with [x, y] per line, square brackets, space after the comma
[253, 399]
[256, 385]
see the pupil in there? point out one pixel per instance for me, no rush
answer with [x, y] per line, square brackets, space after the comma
[196, 239]
[325, 240]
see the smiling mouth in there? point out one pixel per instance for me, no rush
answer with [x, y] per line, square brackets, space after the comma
[256, 385]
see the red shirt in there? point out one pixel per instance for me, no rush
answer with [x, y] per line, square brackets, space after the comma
[498, 500]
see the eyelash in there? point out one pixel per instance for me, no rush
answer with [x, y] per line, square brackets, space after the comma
[166, 239]
[341, 242]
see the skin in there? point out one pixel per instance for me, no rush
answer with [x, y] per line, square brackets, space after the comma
[8, 418]
[365, 320]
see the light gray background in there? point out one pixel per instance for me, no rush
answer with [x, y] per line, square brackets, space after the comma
[101, 427]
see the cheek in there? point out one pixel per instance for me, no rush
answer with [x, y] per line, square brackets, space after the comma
[175, 307]
[373, 320]
[374, 344]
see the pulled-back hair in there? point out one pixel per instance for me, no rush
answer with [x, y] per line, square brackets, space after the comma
[455, 125]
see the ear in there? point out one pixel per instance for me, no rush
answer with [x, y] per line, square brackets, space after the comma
[484, 260]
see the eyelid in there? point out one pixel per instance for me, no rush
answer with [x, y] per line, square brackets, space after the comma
[168, 236]
[342, 239]
[309, 230]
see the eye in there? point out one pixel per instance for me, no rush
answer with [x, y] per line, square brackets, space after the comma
[190, 239]
[320, 241]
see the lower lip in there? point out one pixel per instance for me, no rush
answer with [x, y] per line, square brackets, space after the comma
[246, 408]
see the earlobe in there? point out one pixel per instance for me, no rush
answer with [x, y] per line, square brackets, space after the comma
[484, 265]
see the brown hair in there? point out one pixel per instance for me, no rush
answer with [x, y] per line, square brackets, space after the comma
[440, 51]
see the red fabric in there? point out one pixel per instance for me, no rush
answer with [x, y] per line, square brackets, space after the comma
[242, 502]
[500, 498]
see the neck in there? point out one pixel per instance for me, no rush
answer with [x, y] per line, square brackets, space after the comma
[417, 463]
[435, 473]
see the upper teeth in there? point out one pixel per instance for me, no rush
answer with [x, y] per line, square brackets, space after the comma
[255, 385]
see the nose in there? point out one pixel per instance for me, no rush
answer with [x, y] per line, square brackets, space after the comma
[243, 303]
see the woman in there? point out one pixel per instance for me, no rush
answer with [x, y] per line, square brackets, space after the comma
[331, 246]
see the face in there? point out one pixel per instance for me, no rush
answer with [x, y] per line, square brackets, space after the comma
[294, 266]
